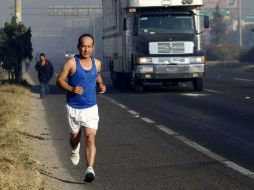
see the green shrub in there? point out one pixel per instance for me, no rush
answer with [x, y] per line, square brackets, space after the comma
[247, 55]
[222, 52]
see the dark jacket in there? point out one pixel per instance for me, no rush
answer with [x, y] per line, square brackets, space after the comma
[45, 72]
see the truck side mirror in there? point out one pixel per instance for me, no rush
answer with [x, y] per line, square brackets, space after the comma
[206, 21]
[125, 27]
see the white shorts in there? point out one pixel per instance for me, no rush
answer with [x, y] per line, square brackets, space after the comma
[87, 117]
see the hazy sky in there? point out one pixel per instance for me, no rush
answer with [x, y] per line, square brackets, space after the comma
[5, 6]
[35, 15]
[6, 11]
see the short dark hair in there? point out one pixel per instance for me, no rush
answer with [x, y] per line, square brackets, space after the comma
[42, 54]
[85, 35]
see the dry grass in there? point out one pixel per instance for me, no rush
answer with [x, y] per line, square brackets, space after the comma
[17, 170]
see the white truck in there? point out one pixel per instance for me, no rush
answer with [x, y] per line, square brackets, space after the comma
[152, 41]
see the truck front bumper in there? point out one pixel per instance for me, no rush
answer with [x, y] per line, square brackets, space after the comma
[179, 72]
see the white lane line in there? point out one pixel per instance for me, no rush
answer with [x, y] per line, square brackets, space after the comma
[166, 130]
[214, 91]
[245, 80]
[113, 101]
[238, 168]
[193, 94]
[200, 148]
[147, 120]
[132, 112]
[196, 146]
[192, 144]
[122, 106]
[215, 156]
[116, 103]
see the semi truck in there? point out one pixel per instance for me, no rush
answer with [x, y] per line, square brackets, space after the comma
[154, 41]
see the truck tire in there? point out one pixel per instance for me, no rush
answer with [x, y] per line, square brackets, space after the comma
[138, 86]
[175, 83]
[197, 84]
[116, 80]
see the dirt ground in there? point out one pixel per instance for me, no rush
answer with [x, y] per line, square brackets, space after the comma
[42, 148]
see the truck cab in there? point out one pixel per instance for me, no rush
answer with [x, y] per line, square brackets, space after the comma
[160, 43]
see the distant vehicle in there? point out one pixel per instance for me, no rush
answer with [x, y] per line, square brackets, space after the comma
[69, 54]
[154, 41]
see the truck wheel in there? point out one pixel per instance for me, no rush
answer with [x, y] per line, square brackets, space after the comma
[138, 86]
[116, 81]
[165, 83]
[113, 79]
[197, 84]
[175, 83]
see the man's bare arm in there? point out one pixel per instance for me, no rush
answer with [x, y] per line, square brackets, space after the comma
[62, 77]
[99, 78]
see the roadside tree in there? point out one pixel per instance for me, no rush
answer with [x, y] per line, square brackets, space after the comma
[218, 27]
[15, 46]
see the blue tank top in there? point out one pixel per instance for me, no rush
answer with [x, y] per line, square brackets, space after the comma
[87, 80]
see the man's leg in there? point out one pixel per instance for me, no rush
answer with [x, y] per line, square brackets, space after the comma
[75, 144]
[42, 90]
[90, 145]
[46, 88]
[75, 139]
[90, 153]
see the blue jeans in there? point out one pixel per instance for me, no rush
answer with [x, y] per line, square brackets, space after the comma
[44, 91]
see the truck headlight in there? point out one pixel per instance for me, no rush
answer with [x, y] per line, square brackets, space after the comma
[197, 60]
[144, 60]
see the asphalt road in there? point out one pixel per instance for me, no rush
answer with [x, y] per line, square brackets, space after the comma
[220, 118]
[133, 153]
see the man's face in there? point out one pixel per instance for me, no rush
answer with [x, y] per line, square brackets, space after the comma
[42, 58]
[86, 47]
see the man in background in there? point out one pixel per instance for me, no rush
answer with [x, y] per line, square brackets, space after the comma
[45, 71]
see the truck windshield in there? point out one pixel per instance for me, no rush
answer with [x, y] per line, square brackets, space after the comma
[150, 24]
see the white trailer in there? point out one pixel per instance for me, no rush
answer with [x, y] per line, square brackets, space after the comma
[149, 41]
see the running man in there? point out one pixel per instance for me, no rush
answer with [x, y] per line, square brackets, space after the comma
[78, 77]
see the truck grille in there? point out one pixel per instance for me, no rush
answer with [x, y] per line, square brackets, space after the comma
[171, 47]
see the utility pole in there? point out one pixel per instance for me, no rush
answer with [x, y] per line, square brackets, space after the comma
[18, 11]
[18, 20]
[240, 24]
